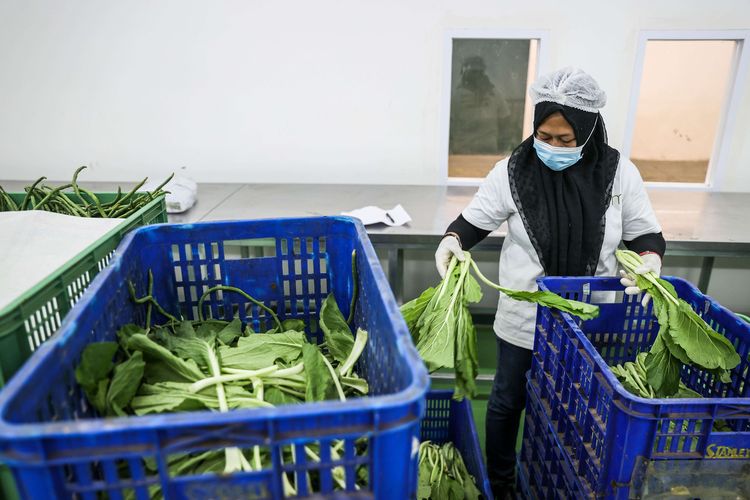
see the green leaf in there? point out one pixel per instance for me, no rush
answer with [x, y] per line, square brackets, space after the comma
[684, 392]
[437, 327]
[320, 384]
[424, 488]
[161, 364]
[338, 337]
[195, 349]
[442, 488]
[471, 492]
[96, 363]
[472, 290]
[230, 332]
[98, 396]
[296, 325]
[413, 309]
[548, 299]
[125, 382]
[355, 383]
[466, 356]
[277, 397]
[185, 329]
[663, 372]
[209, 329]
[127, 331]
[668, 286]
[703, 346]
[260, 350]
[723, 375]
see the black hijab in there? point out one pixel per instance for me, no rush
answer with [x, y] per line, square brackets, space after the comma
[564, 212]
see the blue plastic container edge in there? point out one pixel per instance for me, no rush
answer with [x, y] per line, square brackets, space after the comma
[412, 395]
[604, 367]
[523, 480]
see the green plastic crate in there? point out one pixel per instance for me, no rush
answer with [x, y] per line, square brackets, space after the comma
[33, 317]
[27, 322]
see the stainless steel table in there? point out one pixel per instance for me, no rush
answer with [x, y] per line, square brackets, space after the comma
[701, 224]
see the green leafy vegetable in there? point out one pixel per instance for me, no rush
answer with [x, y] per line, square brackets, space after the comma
[93, 372]
[635, 378]
[80, 202]
[444, 333]
[442, 328]
[125, 381]
[443, 474]
[261, 349]
[338, 337]
[684, 338]
[319, 384]
[214, 365]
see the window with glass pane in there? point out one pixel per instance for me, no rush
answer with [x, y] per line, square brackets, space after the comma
[682, 93]
[489, 112]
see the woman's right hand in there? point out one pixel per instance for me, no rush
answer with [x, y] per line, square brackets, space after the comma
[449, 246]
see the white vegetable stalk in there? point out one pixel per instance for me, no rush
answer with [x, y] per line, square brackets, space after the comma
[336, 382]
[220, 379]
[360, 342]
[632, 261]
[235, 460]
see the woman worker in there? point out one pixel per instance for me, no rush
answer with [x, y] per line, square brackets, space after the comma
[569, 200]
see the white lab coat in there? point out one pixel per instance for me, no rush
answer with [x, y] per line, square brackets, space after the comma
[629, 215]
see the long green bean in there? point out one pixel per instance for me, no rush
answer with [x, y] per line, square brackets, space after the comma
[42, 197]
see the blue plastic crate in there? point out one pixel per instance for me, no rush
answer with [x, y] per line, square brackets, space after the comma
[448, 420]
[545, 469]
[604, 430]
[58, 448]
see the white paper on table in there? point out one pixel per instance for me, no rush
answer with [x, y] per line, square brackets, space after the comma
[35, 243]
[183, 193]
[396, 216]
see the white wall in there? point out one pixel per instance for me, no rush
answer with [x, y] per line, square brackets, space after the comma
[258, 91]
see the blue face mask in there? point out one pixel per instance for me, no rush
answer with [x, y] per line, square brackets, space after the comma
[557, 158]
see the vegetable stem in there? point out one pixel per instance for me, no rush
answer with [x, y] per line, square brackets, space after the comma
[360, 342]
[220, 379]
[244, 294]
[355, 288]
[336, 381]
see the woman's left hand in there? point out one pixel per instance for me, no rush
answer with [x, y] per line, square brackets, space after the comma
[651, 264]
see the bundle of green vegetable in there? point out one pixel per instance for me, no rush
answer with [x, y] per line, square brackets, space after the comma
[443, 474]
[217, 365]
[684, 338]
[443, 331]
[42, 197]
[633, 376]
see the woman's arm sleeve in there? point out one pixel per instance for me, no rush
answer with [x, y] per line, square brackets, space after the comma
[468, 234]
[651, 242]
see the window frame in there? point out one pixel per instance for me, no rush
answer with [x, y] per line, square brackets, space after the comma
[542, 37]
[725, 128]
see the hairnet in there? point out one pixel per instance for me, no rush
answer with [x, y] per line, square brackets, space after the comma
[569, 87]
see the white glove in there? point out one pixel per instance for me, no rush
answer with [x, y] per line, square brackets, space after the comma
[449, 246]
[651, 264]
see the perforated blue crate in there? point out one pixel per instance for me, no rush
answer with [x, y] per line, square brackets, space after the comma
[545, 470]
[605, 430]
[448, 420]
[58, 448]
